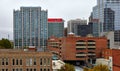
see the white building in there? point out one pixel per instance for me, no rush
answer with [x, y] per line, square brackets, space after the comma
[57, 64]
[107, 62]
[72, 25]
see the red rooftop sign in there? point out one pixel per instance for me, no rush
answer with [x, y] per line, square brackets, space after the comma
[55, 20]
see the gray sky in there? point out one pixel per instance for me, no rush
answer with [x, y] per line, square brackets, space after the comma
[66, 9]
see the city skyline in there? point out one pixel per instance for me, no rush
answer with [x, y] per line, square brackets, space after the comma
[66, 10]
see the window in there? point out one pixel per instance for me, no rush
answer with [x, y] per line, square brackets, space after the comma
[48, 61]
[13, 70]
[16, 61]
[13, 61]
[81, 48]
[34, 69]
[41, 69]
[21, 69]
[27, 62]
[40, 61]
[20, 61]
[2, 69]
[44, 61]
[2, 61]
[44, 69]
[16, 69]
[34, 61]
[27, 69]
[6, 61]
[80, 44]
[80, 56]
[30, 69]
[91, 44]
[48, 69]
[6, 69]
[30, 61]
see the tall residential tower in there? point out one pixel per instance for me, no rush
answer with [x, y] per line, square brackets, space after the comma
[30, 27]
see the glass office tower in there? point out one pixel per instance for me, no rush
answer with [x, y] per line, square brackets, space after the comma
[30, 27]
[55, 27]
[107, 11]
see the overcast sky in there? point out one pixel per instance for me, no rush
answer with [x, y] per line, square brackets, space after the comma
[66, 9]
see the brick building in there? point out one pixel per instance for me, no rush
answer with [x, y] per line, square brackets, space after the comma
[115, 54]
[54, 45]
[20, 60]
[74, 48]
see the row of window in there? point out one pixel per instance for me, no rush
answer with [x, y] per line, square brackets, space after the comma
[29, 61]
[85, 45]
[85, 48]
[28, 69]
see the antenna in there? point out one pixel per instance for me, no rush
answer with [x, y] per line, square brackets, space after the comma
[8, 36]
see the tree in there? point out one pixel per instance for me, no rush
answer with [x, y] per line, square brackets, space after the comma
[101, 68]
[98, 68]
[67, 67]
[5, 43]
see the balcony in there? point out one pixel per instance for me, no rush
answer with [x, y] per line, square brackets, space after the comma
[80, 46]
[80, 54]
[91, 54]
[91, 47]
[91, 42]
[80, 43]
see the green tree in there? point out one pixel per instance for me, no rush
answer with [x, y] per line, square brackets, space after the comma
[67, 67]
[98, 68]
[5, 43]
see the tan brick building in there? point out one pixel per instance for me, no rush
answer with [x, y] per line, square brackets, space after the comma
[20, 60]
[74, 48]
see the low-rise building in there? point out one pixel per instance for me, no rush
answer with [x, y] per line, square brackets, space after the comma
[25, 60]
[113, 55]
[57, 64]
[77, 49]
[107, 62]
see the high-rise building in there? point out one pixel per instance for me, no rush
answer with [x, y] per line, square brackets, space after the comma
[108, 24]
[30, 27]
[73, 25]
[93, 25]
[65, 32]
[82, 30]
[107, 11]
[55, 27]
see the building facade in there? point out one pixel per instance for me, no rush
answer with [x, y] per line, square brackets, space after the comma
[65, 32]
[19, 60]
[107, 11]
[54, 45]
[82, 30]
[93, 25]
[30, 27]
[108, 24]
[77, 49]
[73, 25]
[55, 27]
[115, 54]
